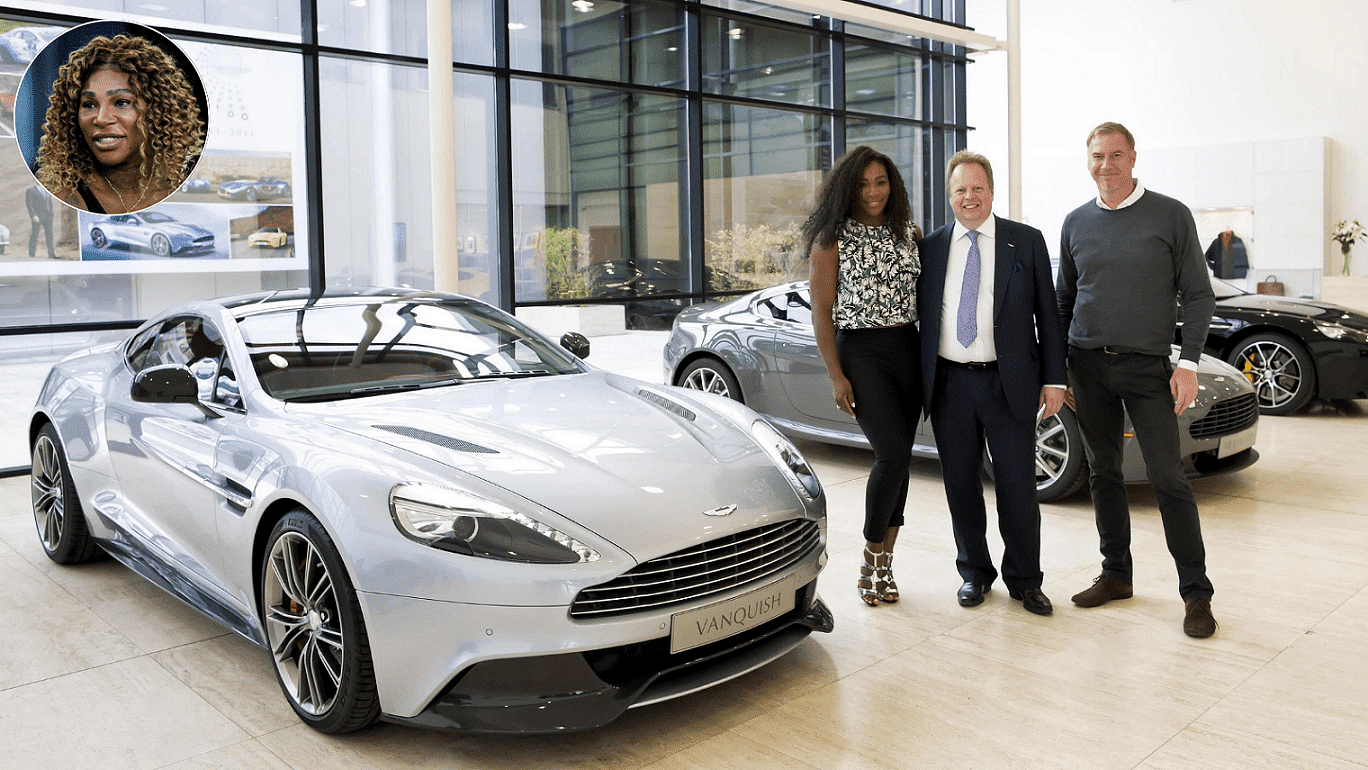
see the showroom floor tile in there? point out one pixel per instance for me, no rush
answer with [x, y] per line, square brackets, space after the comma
[100, 670]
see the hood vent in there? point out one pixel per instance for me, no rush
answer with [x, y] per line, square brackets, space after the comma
[666, 404]
[454, 444]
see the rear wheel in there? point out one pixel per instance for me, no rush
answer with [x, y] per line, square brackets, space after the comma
[1280, 370]
[97, 237]
[711, 376]
[315, 628]
[1061, 468]
[56, 509]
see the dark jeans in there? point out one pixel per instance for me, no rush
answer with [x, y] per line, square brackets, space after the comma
[884, 369]
[1106, 387]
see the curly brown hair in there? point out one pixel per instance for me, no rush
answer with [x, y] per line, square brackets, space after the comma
[836, 198]
[171, 121]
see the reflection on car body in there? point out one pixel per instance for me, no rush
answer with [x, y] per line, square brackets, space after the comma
[760, 349]
[427, 511]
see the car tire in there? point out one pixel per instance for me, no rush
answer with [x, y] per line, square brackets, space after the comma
[1282, 372]
[161, 246]
[98, 239]
[251, 195]
[1061, 467]
[57, 510]
[711, 376]
[315, 629]
[1061, 464]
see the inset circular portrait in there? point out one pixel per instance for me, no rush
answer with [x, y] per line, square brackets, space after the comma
[111, 117]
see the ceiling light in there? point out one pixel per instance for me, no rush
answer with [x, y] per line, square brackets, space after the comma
[583, 6]
[516, 25]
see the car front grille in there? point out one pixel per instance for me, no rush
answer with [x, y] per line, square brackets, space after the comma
[1229, 416]
[701, 571]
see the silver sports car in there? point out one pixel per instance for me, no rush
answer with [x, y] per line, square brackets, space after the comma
[154, 231]
[430, 513]
[760, 349]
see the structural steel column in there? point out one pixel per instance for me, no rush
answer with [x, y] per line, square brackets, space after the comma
[442, 147]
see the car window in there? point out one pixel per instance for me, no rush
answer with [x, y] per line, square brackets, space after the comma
[188, 341]
[792, 306]
[348, 347]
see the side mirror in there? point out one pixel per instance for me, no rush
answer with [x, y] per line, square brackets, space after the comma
[576, 343]
[166, 384]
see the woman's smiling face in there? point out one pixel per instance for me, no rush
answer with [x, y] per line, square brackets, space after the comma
[109, 116]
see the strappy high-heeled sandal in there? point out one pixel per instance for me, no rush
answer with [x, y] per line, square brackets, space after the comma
[883, 576]
[865, 585]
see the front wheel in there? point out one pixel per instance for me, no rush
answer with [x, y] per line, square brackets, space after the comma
[315, 629]
[1280, 369]
[160, 245]
[98, 239]
[711, 376]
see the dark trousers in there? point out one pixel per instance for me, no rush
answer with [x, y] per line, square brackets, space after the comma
[884, 369]
[970, 410]
[33, 238]
[1106, 387]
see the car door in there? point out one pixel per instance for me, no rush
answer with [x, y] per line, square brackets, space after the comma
[800, 366]
[163, 454]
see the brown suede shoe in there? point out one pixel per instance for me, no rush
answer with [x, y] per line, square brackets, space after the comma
[1199, 623]
[1104, 589]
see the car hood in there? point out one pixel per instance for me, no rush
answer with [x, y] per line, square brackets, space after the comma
[237, 185]
[637, 464]
[1306, 308]
[179, 228]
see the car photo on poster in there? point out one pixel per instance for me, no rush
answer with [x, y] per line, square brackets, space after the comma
[150, 234]
[252, 190]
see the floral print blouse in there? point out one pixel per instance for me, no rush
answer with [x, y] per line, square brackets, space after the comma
[876, 283]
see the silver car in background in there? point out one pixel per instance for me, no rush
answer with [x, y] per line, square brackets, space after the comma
[759, 349]
[427, 511]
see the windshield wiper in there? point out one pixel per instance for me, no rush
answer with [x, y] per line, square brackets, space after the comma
[390, 387]
[515, 375]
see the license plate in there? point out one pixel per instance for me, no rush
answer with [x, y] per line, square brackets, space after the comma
[1237, 442]
[695, 628]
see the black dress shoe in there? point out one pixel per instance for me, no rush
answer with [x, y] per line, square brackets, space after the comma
[971, 593]
[1034, 600]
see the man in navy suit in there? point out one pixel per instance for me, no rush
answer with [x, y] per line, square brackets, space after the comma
[993, 362]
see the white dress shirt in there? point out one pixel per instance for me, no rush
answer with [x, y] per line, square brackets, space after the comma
[982, 349]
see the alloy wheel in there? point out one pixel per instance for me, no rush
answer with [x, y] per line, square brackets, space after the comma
[1275, 372]
[303, 624]
[708, 381]
[49, 504]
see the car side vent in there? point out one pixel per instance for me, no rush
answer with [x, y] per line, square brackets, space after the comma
[667, 404]
[454, 444]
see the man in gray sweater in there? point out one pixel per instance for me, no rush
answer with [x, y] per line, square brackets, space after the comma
[1127, 259]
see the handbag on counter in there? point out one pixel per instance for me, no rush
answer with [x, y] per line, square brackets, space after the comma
[1270, 285]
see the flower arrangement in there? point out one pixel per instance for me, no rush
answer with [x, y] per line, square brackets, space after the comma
[1347, 233]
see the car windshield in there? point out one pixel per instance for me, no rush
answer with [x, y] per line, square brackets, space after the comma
[336, 348]
[1225, 290]
[154, 216]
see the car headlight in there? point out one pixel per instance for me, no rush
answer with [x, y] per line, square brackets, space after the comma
[787, 457]
[466, 523]
[1338, 332]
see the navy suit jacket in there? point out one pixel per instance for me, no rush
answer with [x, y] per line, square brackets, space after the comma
[1030, 341]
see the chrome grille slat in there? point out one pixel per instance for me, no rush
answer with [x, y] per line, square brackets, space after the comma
[701, 571]
[1229, 416]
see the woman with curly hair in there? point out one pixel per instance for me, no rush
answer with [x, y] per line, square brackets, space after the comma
[123, 127]
[864, 313]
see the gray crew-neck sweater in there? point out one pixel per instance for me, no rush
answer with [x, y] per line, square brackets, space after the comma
[1123, 274]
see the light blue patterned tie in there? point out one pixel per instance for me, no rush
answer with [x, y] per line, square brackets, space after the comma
[966, 320]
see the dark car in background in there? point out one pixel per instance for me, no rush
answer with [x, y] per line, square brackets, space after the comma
[760, 349]
[651, 282]
[1292, 350]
